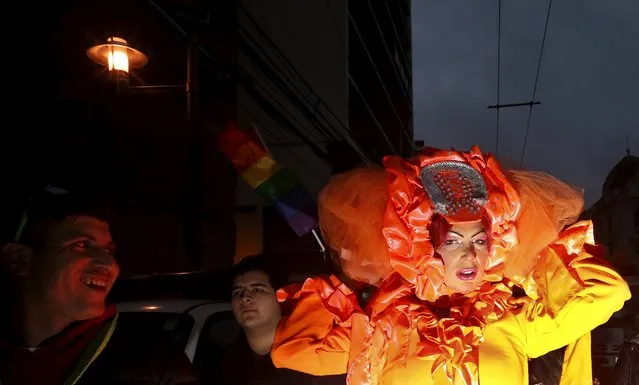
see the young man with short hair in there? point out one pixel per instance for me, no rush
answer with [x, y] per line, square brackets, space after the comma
[60, 328]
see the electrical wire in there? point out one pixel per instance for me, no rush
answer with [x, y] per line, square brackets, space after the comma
[361, 95]
[396, 31]
[271, 73]
[348, 138]
[339, 37]
[286, 111]
[265, 127]
[246, 82]
[381, 81]
[390, 57]
[498, 76]
[354, 83]
[541, 54]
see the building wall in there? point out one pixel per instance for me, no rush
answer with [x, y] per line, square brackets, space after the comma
[380, 67]
[616, 220]
[136, 147]
[315, 95]
[616, 216]
[297, 100]
[617, 228]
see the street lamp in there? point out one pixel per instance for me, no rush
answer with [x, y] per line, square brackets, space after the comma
[120, 58]
[117, 55]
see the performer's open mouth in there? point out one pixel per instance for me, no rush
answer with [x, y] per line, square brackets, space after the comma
[467, 274]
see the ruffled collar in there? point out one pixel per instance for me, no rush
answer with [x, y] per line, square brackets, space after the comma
[450, 330]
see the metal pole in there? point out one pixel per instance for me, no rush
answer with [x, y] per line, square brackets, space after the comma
[189, 78]
[194, 158]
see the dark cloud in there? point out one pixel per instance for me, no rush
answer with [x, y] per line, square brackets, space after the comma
[588, 85]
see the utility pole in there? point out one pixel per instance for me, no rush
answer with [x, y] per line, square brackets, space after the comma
[530, 103]
[498, 107]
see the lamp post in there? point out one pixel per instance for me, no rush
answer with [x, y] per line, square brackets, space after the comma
[120, 58]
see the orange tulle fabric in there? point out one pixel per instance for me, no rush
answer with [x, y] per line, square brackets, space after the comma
[547, 206]
[351, 213]
[377, 222]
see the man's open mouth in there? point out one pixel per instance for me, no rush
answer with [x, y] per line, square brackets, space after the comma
[95, 283]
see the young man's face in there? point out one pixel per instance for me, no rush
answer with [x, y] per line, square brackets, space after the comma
[254, 302]
[75, 269]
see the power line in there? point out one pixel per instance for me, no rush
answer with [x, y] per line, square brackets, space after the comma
[541, 54]
[301, 78]
[245, 82]
[401, 48]
[379, 77]
[273, 76]
[286, 111]
[262, 125]
[359, 92]
[269, 109]
[339, 37]
[370, 111]
[390, 58]
[498, 74]
[283, 93]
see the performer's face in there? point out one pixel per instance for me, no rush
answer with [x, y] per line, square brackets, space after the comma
[464, 249]
[254, 302]
[75, 269]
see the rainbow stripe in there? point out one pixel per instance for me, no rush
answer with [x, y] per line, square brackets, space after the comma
[270, 179]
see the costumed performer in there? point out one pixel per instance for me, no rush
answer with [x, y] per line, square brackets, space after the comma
[448, 239]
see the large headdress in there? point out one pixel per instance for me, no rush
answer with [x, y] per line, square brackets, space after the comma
[377, 220]
[461, 187]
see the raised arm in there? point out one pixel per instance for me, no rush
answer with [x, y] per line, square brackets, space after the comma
[578, 291]
[314, 333]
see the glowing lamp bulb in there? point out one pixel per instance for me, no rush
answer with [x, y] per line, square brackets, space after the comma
[117, 57]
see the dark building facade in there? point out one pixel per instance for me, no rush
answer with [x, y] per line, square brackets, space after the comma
[616, 216]
[380, 76]
[346, 86]
[82, 132]
[175, 194]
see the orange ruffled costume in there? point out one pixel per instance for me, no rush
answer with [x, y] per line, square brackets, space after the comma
[414, 330]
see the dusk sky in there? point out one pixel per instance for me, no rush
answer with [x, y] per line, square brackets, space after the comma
[588, 84]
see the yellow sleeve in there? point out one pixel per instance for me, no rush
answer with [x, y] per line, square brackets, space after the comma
[314, 335]
[577, 289]
[577, 366]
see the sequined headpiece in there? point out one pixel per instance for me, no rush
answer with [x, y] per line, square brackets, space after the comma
[456, 190]
[460, 186]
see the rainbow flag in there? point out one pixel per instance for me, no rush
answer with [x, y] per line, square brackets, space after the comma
[268, 178]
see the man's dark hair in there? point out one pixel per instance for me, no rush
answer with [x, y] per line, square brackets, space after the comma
[46, 208]
[277, 278]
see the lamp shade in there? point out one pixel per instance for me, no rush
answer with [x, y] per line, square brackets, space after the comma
[117, 55]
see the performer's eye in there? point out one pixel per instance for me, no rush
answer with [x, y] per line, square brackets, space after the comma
[451, 242]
